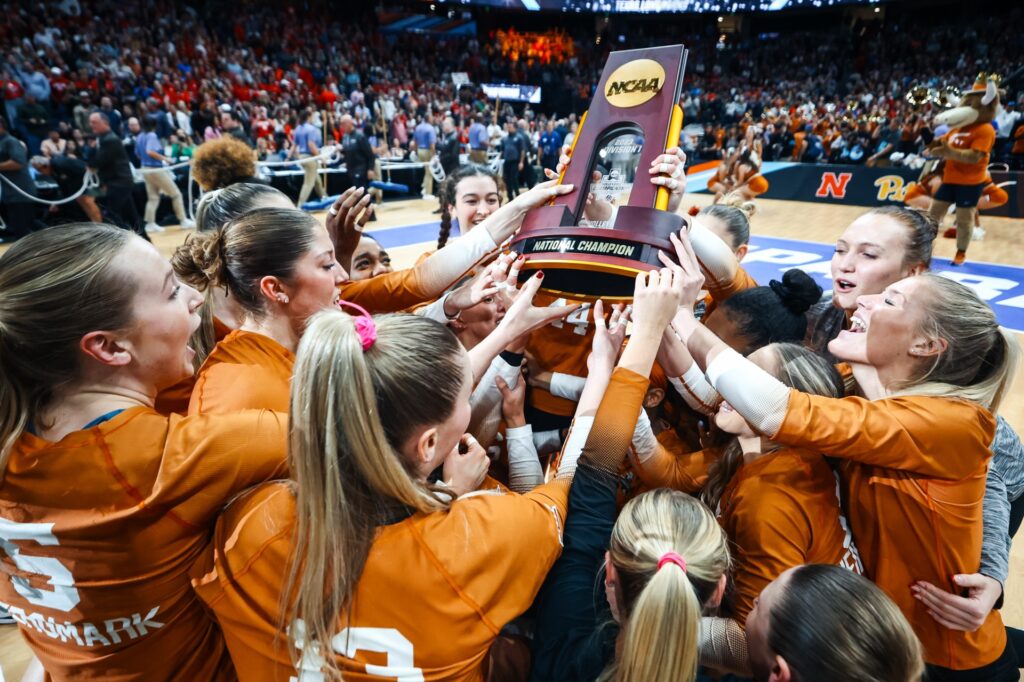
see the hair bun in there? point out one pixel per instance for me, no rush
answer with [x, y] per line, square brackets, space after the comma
[200, 260]
[736, 200]
[798, 291]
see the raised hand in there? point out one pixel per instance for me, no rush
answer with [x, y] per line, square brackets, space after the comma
[690, 273]
[466, 466]
[345, 222]
[668, 170]
[608, 337]
[512, 402]
[523, 317]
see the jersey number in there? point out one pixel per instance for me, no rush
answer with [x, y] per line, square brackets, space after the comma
[578, 319]
[64, 595]
[348, 642]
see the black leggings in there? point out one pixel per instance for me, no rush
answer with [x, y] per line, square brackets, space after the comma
[1003, 669]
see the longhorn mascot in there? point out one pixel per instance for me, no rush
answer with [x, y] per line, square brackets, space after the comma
[966, 149]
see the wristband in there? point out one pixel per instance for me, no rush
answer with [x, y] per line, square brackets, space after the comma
[512, 359]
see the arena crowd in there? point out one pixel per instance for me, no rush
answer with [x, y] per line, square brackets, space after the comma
[274, 455]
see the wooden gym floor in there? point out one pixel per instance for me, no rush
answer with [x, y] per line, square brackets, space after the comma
[1003, 244]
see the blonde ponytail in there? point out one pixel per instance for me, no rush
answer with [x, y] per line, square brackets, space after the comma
[667, 610]
[663, 605]
[351, 410]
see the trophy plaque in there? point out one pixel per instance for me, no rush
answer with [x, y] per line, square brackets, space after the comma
[594, 248]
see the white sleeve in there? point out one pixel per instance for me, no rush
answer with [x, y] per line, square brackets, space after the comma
[435, 311]
[715, 256]
[547, 442]
[524, 470]
[444, 267]
[485, 401]
[759, 397]
[696, 391]
[567, 386]
[574, 445]
[645, 443]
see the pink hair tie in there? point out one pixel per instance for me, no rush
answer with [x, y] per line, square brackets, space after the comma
[364, 324]
[672, 558]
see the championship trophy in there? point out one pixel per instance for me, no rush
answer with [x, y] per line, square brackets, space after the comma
[596, 251]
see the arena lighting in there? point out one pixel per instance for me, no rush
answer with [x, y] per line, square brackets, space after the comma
[657, 6]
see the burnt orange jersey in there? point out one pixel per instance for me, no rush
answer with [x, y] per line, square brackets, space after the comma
[980, 137]
[782, 510]
[562, 346]
[174, 400]
[244, 371]
[433, 595]
[387, 293]
[673, 465]
[719, 291]
[99, 530]
[914, 479]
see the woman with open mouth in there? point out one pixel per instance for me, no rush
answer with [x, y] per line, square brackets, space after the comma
[933, 366]
[881, 247]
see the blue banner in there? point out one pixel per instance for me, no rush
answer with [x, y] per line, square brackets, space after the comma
[1001, 286]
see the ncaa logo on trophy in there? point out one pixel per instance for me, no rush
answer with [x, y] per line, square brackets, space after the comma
[592, 242]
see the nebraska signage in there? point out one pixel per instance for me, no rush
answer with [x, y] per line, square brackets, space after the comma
[863, 186]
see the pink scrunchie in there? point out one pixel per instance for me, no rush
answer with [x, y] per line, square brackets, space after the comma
[672, 558]
[364, 324]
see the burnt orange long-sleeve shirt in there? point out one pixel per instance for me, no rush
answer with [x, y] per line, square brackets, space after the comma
[914, 480]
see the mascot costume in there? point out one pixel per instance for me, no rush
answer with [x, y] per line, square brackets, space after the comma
[966, 149]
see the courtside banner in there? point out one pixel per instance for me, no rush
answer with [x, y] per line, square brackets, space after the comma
[863, 186]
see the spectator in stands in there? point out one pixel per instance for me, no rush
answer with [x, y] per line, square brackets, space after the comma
[359, 157]
[230, 125]
[37, 85]
[527, 177]
[54, 144]
[1006, 121]
[478, 140]
[34, 121]
[110, 163]
[19, 210]
[159, 181]
[550, 145]
[130, 141]
[425, 137]
[13, 94]
[113, 115]
[448, 147]
[307, 139]
[513, 158]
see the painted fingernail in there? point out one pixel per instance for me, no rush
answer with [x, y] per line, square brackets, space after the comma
[540, 274]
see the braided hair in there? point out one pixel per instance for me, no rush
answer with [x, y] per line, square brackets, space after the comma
[446, 195]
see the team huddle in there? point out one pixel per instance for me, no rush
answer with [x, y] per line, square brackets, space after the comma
[274, 456]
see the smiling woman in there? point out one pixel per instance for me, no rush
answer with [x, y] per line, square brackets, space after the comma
[93, 324]
[880, 247]
[933, 366]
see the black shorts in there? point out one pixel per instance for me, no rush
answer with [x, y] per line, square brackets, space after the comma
[964, 196]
